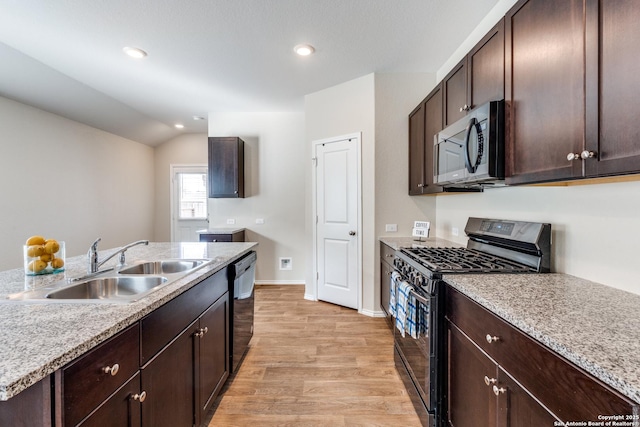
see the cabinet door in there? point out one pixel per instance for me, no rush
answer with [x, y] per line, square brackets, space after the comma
[433, 125]
[385, 277]
[544, 89]
[613, 66]
[486, 68]
[471, 401]
[213, 351]
[226, 167]
[121, 409]
[516, 407]
[169, 382]
[456, 104]
[416, 151]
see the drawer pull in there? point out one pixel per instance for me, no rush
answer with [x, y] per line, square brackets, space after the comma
[113, 370]
[201, 332]
[140, 397]
[489, 381]
[497, 391]
[492, 339]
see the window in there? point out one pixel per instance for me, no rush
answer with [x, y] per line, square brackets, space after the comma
[192, 195]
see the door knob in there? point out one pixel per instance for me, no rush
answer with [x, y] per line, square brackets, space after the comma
[352, 233]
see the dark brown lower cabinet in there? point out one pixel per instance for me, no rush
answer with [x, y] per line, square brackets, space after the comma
[481, 393]
[30, 408]
[121, 409]
[471, 402]
[498, 376]
[213, 355]
[168, 380]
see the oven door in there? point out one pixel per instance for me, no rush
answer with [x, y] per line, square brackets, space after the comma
[419, 355]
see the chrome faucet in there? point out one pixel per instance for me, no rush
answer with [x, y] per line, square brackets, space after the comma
[92, 255]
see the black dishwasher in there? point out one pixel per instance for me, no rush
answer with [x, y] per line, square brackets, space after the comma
[241, 283]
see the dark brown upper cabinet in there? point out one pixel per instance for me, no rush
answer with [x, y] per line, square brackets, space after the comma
[612, 143]
[425, 121]
[226, 167]
[478, 78]
[545, 90]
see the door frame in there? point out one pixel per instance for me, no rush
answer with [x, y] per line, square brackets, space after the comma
[173, 169]
[357, 136]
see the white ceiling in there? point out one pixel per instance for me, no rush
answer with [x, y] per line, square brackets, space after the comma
[65, 56]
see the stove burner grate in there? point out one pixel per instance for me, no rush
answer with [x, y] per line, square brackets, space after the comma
[456, 260]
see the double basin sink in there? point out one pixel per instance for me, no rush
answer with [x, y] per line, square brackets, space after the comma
[127, 284]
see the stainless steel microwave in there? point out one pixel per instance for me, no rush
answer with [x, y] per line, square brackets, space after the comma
[470, 152]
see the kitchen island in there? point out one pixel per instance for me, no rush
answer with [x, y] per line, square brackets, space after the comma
[37, 339]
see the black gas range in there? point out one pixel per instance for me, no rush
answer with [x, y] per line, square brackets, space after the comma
[494, 246]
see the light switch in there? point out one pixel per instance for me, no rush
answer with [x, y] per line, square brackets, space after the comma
[259, 220]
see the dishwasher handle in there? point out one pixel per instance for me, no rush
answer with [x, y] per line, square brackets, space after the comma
[244, 264]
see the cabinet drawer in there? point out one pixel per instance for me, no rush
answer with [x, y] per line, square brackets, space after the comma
[90, 379]
[166, 322]
[387, 254]
[215, 237]
[568, 391]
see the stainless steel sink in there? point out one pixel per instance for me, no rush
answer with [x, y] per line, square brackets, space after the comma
[128, 284]
[108, 288]
[162, 267]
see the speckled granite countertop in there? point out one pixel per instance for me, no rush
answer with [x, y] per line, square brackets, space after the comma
[38, 338]
[594, 326]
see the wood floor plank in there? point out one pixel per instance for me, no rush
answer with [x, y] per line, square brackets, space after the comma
[314, 364]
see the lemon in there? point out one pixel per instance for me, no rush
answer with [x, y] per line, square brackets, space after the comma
[57, 263]
[37, 266]
[35, 251]
[51, 246]
[35, 240]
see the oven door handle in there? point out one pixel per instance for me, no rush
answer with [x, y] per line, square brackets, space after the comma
[420, 298]
[473, 124]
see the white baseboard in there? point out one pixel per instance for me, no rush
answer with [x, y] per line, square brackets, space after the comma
[373, 313]
[279, 282]
[310, 297]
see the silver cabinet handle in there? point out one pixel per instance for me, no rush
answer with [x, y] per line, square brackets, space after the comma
[112, 370]
[573, 156]
[497, 391]
[352, 233]
[491, 339]
[389, 255]
[465, 108]
[489, 381]
[140, 397]
[586, 154]
[420, 185]
[200, 333]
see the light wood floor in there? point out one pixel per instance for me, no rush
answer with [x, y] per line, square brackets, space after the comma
[314, 364]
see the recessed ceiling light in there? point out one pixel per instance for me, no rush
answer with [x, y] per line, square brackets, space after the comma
[179, 126]
[134, 52]
[198, 118]
[304, 49]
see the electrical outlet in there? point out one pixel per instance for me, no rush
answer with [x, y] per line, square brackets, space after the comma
[454, 231]
[286, 264]
[259, 220]
[231, 221]
[391, 227]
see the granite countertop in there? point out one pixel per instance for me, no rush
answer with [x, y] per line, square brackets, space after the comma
[594, 326]
[37, 338]
[220, 230]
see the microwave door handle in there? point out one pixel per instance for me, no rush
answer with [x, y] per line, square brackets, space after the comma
[473, 124]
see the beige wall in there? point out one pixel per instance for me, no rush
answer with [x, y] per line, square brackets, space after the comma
[275, 165]
[378, 106]
[70, 182]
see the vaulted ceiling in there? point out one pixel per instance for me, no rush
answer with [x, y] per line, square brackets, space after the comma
[65, 56]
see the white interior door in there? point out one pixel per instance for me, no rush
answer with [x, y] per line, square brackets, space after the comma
[337, 221]
[189, 212]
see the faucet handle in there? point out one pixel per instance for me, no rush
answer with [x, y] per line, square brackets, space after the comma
[94, 245]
